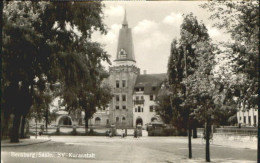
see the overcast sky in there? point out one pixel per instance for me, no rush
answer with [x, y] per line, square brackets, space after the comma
[154, 25]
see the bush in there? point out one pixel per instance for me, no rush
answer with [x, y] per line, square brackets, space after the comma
[167, 132]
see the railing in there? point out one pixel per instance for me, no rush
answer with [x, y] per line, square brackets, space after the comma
[138, 102]
[234, 131]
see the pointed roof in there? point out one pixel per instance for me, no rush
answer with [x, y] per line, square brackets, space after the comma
[125, 20]
[125, 47]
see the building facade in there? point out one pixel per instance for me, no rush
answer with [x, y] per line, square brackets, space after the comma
[247, 117]
[129, 106]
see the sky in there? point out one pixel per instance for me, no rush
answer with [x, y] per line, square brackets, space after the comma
[154, 25]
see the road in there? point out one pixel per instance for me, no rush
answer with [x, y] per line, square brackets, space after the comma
[105, 149]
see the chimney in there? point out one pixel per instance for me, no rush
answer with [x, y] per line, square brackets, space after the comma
[144, 72]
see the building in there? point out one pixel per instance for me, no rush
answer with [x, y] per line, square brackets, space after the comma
[145, 91]
[247, 117]
[134, 94]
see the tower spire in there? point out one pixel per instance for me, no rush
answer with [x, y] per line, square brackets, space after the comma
[125, 46]
[125, 21]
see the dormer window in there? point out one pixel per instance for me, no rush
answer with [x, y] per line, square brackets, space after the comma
[139, 89]
[122, 53]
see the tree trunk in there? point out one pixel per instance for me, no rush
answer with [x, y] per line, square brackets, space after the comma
[46, 119]
[258, 141]
[86, 124]
[15, 130]
[189, 135]
[36, 129]
[195, 132]
[22, 135]
[4, 126]
[207, 141]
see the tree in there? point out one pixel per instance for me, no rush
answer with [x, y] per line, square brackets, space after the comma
[201, 89]
[240, 19]
[38, 39]
[167, 106]
[183, 62]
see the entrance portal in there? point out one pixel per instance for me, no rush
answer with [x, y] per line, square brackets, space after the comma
[139, 121]
[65, 121]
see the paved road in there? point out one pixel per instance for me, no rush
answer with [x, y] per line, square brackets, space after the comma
[104, 149]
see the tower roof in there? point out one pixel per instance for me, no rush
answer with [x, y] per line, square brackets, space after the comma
[125, 20]
[125, 47]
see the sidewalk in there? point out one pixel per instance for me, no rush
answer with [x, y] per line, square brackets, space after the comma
[25, 142]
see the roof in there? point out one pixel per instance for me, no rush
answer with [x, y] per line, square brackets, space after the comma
[148, 81]
[125, 43]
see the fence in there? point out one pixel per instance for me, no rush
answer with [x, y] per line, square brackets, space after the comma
[75, 130]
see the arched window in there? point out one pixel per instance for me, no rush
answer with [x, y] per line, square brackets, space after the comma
[123, 119]
[117, 119]
[97, 121]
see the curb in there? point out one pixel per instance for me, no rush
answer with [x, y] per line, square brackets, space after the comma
[15, 145]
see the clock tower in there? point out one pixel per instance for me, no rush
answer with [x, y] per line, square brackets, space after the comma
[122, 79]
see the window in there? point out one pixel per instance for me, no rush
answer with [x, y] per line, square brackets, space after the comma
[117, 119]
[107, 121]
[137, 97]
[123, 119]
[249, 120]
[142, 110]
[135, 109]
[117, 97]
[142, 97]
[97, 121]
[117, 83]
[151, 108]
[117, 107]
[151, 97]
[142, 88]
[153, 88]
[124, 107]
[123, 83]
[244, 119]
[139, 109]
[122, 53]
[123, 97]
